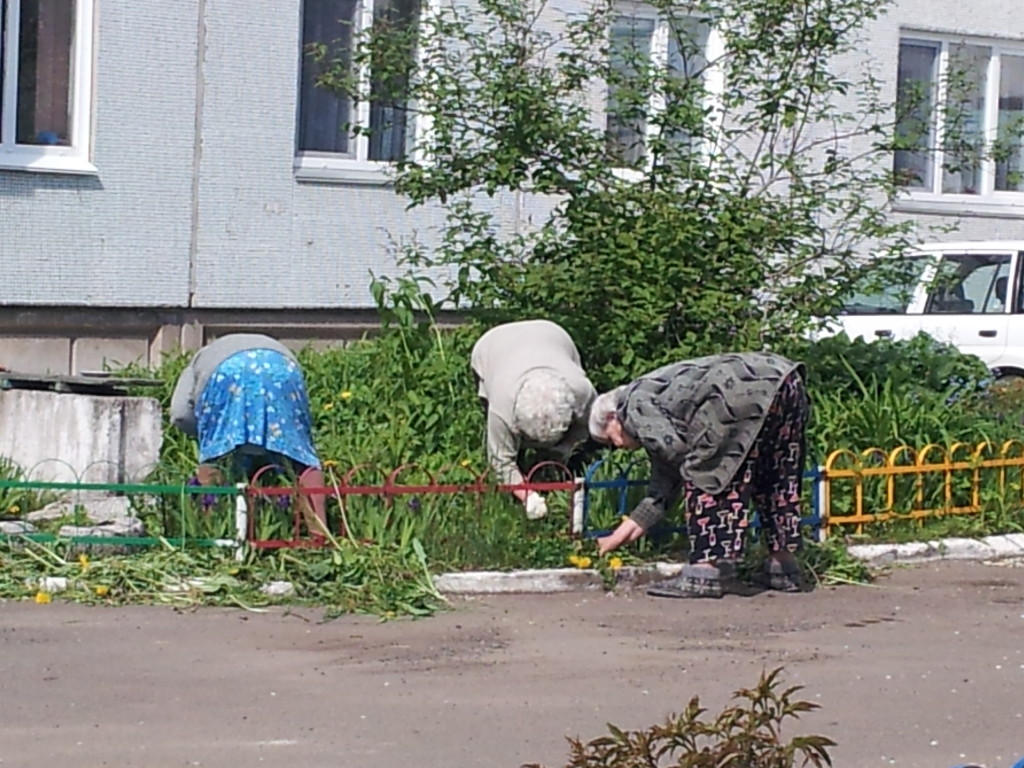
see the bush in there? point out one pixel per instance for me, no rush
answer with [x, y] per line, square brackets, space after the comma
[913, 392]
[839, 365]
[747, 734]
[406, 397]
[403, 398]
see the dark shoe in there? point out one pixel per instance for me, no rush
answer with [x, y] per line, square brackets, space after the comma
[694, 582]
[782, 578]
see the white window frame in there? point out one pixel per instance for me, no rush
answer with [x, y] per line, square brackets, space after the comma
[714, 79]
[989, 201]
[358, 169]
[72, 159]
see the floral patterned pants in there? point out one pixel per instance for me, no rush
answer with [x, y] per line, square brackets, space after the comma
[770, 478]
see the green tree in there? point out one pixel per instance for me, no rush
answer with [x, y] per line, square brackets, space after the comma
[701, 175]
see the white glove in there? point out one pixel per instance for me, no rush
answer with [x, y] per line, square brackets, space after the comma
[577, 507]
[536, 507]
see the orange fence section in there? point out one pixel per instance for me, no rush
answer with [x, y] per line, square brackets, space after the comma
[874, 486]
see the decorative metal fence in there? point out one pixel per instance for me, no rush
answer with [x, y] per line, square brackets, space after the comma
[267, 512]
[876, 486]
[849, 491]
[622, 485]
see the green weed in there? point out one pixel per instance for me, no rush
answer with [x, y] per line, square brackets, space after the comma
[747, 733]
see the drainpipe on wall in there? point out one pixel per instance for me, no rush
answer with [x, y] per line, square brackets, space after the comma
[197, 149]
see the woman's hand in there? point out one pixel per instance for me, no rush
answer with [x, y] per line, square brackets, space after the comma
[626, 532]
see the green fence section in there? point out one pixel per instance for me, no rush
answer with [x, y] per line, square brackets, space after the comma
[49, 492]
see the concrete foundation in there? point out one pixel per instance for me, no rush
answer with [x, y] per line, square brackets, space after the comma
[74, 340]
[80, 438]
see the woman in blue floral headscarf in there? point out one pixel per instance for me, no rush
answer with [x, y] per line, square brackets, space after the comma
[243, 396]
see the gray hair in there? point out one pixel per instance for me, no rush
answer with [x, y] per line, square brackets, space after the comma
[602, 410]
[543, 408]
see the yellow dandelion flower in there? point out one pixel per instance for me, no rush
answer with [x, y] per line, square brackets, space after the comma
[330, 464]
[346, 395]
[574, 559]
[102, 590]
[465, 463]
[583, 562]
[43, 598]
[328, 406]
[14, 509]
[83, 560]
[615, 563]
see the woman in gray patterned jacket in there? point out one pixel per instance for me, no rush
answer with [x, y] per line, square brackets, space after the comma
[722, 431]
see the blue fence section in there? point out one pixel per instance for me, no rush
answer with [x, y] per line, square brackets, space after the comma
[622, 483]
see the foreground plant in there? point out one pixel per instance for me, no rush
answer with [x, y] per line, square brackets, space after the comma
[745, 735]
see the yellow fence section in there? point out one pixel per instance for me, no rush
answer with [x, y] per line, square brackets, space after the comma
[874, 486]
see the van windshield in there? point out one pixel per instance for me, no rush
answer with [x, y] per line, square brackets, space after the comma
[889, 293]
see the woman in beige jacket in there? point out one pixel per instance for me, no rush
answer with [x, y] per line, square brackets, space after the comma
[536, 395]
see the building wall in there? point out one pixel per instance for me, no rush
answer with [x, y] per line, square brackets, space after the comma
[266, 240]
[196, 224]
[120, 238]
[183, 238]
[992, 19]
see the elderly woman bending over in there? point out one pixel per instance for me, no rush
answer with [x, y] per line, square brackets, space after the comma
[536, 396]
[243, 396]
[721, 431]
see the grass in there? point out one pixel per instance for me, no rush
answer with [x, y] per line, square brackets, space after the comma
[15, 502]
[347, 577]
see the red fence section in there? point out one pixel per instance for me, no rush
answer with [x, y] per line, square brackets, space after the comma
[343, 486]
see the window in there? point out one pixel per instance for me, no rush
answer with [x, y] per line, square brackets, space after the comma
[890, 294]
[641, 42]
[326, 143]
[970, 284]
[45, 85]
[960, 112]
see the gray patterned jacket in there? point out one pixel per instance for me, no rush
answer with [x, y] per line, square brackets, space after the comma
[698, 420]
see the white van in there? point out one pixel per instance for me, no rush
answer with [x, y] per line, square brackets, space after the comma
[969, 294]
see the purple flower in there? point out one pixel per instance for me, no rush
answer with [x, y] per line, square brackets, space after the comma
[414, 504]
[207, 500]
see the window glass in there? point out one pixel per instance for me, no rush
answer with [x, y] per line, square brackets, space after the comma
[915, 86]
[964, 131]
[625, 122]
[390, 123]
[1010, 152]
[45, 45]
[970, 284]
[687, 62]
[324, 114]
[888, 295]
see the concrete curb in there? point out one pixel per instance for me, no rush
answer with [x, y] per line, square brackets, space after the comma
[550, 580]
[546, 580]
[987, 548]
